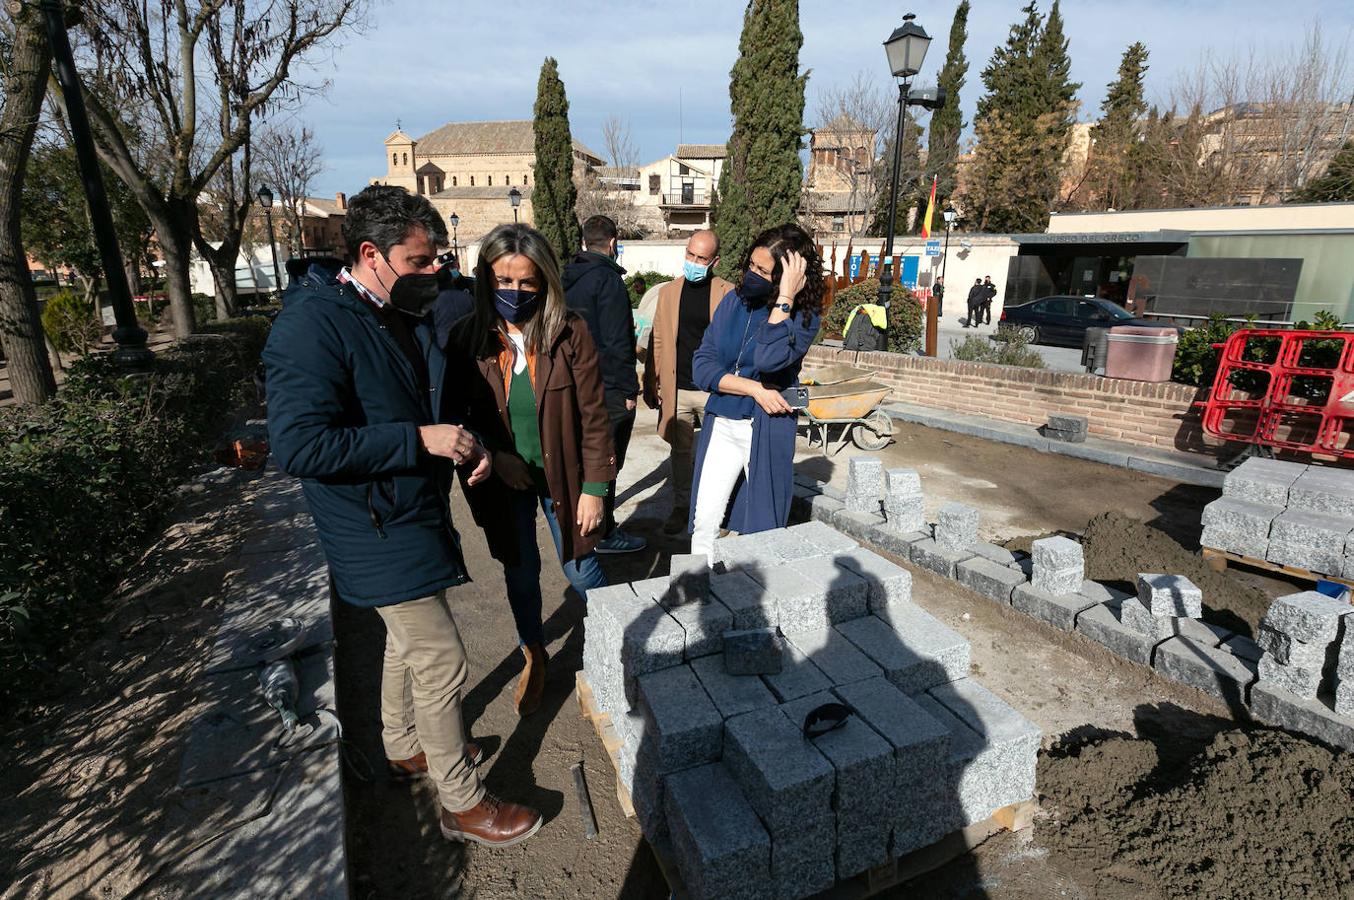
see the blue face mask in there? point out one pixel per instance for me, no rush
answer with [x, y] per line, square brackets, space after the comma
[694, 272]
[755, 287]
[516, 306]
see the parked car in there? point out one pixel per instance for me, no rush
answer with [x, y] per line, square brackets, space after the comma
[1064, 319]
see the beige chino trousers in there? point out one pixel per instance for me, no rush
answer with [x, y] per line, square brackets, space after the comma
[682, 438]
[423, 675]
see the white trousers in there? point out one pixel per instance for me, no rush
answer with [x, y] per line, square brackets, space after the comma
[726, 457]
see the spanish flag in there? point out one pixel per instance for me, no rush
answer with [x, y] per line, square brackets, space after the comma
[930, 209]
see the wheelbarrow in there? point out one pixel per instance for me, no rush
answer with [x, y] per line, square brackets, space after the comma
[846, 396]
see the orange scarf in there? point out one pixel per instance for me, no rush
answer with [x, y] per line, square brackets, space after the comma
[506, 358]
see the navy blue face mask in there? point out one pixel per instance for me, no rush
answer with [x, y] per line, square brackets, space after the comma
[516, 306]
[755, 287]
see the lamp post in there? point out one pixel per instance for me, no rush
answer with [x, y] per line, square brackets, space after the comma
[455, 220]
[933, 316]
[515, 198]
[132, 353]
[266, 201]
[905, 48]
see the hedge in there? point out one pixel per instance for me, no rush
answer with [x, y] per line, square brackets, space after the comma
[907, 324]
[87, 479]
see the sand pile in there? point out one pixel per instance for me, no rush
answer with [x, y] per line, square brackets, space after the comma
[1253, 813]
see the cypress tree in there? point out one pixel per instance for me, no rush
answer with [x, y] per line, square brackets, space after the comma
[1115, 135]
[1023, 124]
[554, 193]
[947, 123]
[761, 182]
[1337, 185]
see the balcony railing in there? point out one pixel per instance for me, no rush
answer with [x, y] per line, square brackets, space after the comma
[686, 198]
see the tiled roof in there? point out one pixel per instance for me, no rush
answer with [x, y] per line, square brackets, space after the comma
[479, 193]
[474, 138]
[702, 151]
[327, 205]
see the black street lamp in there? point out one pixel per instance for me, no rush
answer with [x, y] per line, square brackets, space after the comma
[950, 215]
[266, 201]
[455, 248]
[132, 352]
[515, 198]
[906, 48]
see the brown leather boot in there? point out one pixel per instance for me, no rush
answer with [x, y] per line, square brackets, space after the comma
[531, 685]
[492, 822]
[416, 766]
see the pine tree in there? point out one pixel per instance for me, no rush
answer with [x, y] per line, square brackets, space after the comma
[1337, 185]
[761, 181]
[1116, 134]
[947, 123]
[1025, 120]
[554, 194]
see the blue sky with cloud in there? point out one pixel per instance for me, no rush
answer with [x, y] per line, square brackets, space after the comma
[428, 62]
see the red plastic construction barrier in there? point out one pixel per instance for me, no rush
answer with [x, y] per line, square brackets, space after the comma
[1291, 390]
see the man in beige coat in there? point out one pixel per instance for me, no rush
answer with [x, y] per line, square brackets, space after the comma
[685, 307]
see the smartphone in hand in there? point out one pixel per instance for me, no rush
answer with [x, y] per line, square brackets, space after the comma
[797, 396]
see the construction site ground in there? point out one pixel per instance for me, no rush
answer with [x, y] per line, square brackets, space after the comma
[1148, 788]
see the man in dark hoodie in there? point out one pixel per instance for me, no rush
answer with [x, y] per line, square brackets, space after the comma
[594, 289]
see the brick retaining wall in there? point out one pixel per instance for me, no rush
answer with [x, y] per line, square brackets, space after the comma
[1152, 415]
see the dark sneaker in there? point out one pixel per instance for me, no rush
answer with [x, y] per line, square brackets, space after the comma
[620, 542]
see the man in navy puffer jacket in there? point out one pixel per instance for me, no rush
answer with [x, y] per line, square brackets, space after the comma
[357, 411]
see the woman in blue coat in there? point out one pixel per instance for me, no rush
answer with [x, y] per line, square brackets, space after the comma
[751, 352]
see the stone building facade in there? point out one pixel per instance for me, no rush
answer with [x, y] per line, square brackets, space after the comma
[469, 168]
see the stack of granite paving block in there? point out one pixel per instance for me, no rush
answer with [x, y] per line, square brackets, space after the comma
[1307, 670]
[1287, 513]
[709, 677]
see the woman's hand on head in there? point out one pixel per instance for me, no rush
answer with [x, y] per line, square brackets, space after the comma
[792, 279]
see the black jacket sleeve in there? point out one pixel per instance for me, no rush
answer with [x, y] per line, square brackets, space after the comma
[615, 339]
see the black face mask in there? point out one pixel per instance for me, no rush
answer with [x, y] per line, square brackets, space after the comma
[414, 294]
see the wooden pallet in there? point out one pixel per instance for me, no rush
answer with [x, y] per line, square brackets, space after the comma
[1016, 817]
[606, 733]
[1219, 560]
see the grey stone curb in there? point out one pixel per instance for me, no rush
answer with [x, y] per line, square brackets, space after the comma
[1177, 466]
[1207, 658]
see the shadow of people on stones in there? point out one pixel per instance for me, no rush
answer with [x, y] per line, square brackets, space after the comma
[727, 783]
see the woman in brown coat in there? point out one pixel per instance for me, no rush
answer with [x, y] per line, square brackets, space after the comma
[534, 393]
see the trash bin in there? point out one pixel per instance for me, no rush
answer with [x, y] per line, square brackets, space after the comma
[1093, 349]
[1140, 353]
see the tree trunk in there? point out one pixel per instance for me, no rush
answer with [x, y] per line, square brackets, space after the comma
[30, 371]
[174, 246]
[221, 260]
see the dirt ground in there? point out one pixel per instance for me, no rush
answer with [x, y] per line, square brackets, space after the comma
[1131, 760]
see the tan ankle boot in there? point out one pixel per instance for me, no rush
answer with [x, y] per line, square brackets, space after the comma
[531, 685]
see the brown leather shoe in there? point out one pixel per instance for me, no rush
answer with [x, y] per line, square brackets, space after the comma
[492, 822]
[416, 766]
[531, 684]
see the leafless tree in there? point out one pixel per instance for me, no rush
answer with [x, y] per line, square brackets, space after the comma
[162, 57]
[289, 159]
[612, 192]
[26, 65]
[861, 113]
[1258, 125]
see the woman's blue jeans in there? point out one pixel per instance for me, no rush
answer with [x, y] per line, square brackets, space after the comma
[524, 579]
